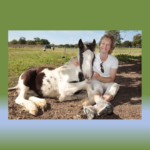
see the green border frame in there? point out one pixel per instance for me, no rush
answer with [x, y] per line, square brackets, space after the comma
[76, 15]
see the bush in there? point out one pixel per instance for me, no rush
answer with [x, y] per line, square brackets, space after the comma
[126, 44]
[38, 43]
[22, 40]
[44, 42]
[14, 42]
[30, 42]
[128, 58]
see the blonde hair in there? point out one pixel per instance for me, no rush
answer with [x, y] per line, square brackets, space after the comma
[113, 40]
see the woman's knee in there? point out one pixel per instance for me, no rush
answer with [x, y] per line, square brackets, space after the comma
[108, 97]
[113, 89]
[116, 86]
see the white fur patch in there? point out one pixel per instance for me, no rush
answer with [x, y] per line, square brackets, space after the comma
[87, 63]
[50, 86]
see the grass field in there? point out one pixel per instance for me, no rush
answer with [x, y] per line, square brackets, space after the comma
[131, 51]
[19, 59]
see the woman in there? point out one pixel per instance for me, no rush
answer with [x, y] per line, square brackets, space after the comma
[105, 68]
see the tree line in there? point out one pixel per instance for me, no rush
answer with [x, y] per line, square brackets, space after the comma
[36, 41]
[136, 42]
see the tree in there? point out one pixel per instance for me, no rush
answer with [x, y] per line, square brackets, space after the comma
[66, 45]
[126, 44]
[71, 45]
[37, 39]
[30, 42]
[116, 34]
[76, 45]
[44, 41]
[61, 45]
[137, 40]
[14, 41]
[137, 37]
[133, 44]
[22, 40]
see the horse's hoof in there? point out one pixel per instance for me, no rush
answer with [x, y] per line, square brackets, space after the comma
[84, 104]
[33, 112]
[57, 101]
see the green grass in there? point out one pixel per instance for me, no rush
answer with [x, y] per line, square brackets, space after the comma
[133, 51]
[19, 59]
[128, 58]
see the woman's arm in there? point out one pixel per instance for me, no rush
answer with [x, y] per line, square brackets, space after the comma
[113, 73]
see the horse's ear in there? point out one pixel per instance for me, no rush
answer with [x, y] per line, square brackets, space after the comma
[80, 44]
[93, 44]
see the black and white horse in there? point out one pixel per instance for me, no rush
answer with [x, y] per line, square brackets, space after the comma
[39, 82]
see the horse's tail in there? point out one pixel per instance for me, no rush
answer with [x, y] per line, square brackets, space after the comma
[13, 88]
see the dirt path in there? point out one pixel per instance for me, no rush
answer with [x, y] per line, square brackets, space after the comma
[127, 103]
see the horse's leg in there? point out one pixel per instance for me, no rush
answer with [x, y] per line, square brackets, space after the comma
[30, 106]
[32, 96]
[68, 89]
[41, 103]
[82, 95]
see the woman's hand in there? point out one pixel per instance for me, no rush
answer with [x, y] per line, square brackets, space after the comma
[75, 61]
[96, 75]
[106, 79]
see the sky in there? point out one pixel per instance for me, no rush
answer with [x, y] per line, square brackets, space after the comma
[67, 36]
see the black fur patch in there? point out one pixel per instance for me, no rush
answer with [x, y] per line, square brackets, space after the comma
[93, 60]
[73, 81]
[81, 51]
[76, 93]
[81, 77]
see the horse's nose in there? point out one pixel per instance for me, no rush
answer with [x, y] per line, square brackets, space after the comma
[86, 77]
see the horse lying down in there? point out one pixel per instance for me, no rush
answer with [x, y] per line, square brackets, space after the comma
[39, 82]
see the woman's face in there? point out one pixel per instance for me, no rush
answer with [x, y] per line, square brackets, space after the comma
[105, 45]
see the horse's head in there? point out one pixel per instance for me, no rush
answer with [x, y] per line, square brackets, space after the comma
[86, 57]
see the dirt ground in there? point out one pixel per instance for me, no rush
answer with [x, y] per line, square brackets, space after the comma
[127, 103]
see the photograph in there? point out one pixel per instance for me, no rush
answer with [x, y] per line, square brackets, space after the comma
[74, 74]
